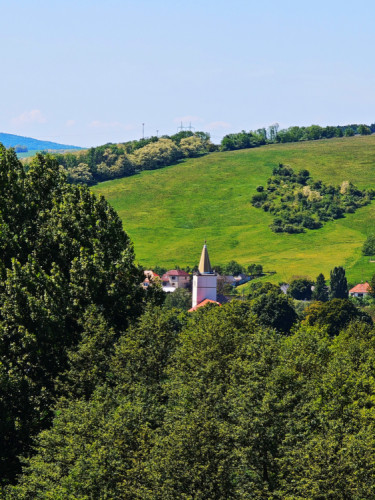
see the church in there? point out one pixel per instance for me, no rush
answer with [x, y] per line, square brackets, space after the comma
[204, 290]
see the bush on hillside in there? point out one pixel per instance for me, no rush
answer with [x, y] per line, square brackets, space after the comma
[298, 202]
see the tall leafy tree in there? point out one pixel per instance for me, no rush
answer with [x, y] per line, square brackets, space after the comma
[320, 290]
[300, 289]
[339, 284]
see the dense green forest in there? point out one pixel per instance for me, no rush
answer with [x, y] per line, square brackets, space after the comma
[107, 393]
[299, 202]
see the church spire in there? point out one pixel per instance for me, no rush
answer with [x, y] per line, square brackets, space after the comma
[204, 264]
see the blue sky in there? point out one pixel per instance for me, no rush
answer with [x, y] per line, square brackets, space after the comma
[89, 72]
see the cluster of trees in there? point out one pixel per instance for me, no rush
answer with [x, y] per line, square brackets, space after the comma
[218, 404]
[233, 268]
[244, 140]
[302, 288]
[66, 269]
[253, 139]
[298, 202]
[315, 132]
[112, 161]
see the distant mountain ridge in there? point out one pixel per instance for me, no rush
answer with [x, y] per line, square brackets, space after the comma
[11, 140]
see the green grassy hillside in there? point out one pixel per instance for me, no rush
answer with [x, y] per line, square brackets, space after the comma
[169, 213]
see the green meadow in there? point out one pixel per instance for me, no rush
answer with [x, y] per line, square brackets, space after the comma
[168, 213]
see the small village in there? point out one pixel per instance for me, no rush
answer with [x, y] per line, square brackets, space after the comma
[206, 285]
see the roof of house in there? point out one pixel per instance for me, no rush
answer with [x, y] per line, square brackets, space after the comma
[361, 288]
[150, 274]
[175, 272]
[204, 303]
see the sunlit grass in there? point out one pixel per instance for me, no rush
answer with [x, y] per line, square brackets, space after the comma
[169, 213]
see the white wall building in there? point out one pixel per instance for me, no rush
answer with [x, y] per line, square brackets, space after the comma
[204, 281]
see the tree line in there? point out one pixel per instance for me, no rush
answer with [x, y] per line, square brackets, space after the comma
[112, 161]
[273, 135]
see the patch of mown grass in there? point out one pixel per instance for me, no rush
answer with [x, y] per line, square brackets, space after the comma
[169, 213]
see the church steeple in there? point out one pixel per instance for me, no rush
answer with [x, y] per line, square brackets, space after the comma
[204, 264]
[204, 281]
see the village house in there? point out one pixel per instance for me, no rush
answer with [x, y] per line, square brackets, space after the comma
[360, 290]
[150, 276]
[176, 278]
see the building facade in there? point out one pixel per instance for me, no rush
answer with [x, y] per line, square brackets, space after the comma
[204, 281]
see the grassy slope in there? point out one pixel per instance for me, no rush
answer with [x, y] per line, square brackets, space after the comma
[170, 212]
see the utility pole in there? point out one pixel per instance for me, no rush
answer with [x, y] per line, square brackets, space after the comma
[143, 130]
[157, 133]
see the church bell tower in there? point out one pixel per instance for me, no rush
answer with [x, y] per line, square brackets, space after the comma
[204, 281]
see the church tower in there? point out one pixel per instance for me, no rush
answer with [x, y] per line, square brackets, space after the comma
[204, 281]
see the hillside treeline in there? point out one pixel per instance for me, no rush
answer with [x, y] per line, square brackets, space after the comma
[272, 135]
[105, 393]
[112, 161]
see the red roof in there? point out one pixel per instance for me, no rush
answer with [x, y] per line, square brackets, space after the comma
[176, 272]
[204, 303]
[149, 273]
[361, 288]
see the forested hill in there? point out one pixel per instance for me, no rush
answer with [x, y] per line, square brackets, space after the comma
[11, 141]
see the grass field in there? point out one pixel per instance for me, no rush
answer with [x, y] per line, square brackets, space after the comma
[169, 213]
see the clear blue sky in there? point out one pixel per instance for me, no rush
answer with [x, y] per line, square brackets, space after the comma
[88, 72]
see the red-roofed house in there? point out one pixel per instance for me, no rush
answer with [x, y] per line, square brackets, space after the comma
[204, 303]
[176, 278]
[150, 276]
[360, 290]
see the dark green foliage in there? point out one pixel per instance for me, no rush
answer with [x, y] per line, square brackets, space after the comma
[364, 130]
[372, 286]
[320, 290]
[272, 308]
[62, 252]
[215, 406]
[255, 269]
[300, 289]
[349, 132]
[180, 299]
[233, 268]
[369, 245]
[242, 140]
[338, 284]
[297, 202]
[335, 315]
[259, 137]
[100, 447]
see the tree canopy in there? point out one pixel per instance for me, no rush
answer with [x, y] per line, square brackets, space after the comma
[62, 252]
